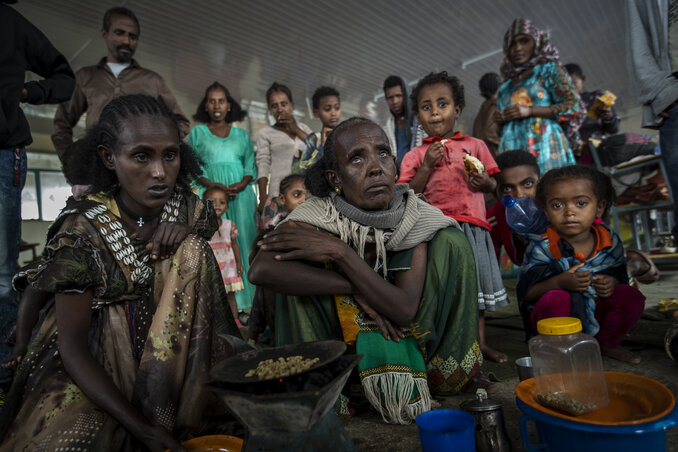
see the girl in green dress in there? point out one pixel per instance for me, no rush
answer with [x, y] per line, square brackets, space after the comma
[230, 165]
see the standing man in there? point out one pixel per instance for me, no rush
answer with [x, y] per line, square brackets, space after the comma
[117, 74]
[652, 56]
[402, 129]
[24, 48]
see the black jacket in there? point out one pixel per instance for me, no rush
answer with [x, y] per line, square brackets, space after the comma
[24, 48]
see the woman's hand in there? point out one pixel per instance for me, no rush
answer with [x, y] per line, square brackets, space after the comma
[286, 121]
[288, 124]
[159, 439]
[294, 241]
[388, 329]
[573, 280]
[239, 268]
[604, 285]
[433, 154]
[481, 182]
[224, 187]
[166, 239]
[516, 112]
[233, 190]
[237, 187]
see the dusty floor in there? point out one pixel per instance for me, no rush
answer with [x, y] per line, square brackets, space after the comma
[369, 433]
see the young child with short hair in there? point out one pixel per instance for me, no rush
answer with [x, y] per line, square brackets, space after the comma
[292, 193]
[437, 169]
[327, 108]
[518, 178]
[577, 267]
[226, 249]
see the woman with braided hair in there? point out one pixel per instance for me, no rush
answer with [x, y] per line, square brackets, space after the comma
[366, 261]
[121, 356]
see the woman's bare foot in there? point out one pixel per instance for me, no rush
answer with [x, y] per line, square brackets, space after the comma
[640, 266]
[620, 354]
[636, 265]
[488, 352]
[493, 355]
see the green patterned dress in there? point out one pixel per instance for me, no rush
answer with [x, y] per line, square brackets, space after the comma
[154, 330]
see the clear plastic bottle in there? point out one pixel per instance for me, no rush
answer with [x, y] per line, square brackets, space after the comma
[568, 369]
[524, 215]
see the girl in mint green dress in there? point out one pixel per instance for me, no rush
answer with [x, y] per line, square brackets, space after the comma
[229, 164]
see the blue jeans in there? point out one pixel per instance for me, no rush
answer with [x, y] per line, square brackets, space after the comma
[668, 142]
[13, 168]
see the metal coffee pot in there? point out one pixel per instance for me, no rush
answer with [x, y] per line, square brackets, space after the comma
[490, 431]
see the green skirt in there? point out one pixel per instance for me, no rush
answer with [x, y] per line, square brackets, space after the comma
[445, 326]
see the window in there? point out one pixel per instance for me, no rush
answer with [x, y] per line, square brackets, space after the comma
[46, 189]
[44, 195]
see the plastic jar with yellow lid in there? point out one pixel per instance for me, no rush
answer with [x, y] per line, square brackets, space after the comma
[568, 369]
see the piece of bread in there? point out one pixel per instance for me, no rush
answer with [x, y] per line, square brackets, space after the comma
[472, 164]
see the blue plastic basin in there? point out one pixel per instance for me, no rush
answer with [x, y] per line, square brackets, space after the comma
[561, 435]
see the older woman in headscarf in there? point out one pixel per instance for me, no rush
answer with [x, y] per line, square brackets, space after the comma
[537, 103]
[367, 261]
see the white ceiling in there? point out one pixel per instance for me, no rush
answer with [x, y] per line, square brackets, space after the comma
[352, 45]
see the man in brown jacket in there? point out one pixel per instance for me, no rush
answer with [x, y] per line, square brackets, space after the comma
[115, 75]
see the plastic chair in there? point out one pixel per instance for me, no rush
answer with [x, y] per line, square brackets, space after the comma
[638, 211]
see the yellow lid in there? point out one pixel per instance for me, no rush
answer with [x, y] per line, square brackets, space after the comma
[559, 325]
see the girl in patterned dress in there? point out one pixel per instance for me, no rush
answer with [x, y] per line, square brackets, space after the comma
[537, 104]
[226, 249]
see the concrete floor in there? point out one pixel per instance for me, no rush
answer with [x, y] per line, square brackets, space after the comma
[504, 331]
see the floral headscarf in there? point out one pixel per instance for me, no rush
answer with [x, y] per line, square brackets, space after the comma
[544, 50]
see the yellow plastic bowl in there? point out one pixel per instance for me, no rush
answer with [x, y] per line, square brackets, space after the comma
[634, 399]
[213, 443]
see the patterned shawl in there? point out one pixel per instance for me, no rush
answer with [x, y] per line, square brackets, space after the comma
[544, 50]
[539, 264]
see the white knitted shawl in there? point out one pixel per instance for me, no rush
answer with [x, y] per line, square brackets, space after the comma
[406, 223]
